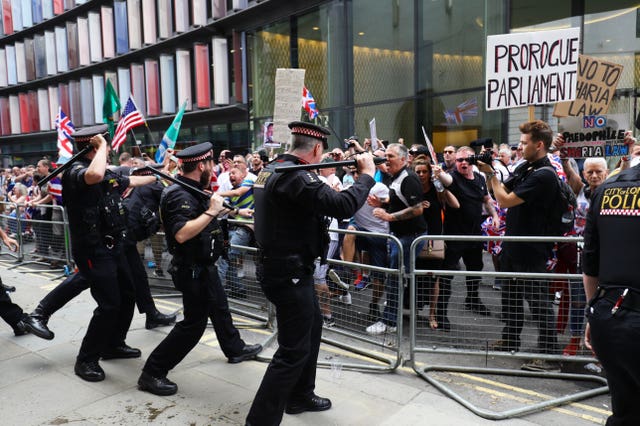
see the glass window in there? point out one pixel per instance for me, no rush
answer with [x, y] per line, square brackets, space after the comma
[268, 49]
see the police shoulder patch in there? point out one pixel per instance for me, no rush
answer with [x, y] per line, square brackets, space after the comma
[310, 177]
[262, 178]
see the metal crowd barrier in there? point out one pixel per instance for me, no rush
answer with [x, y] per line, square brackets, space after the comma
[10, 221]
[43, 234]
[467, 346]
[364, 352]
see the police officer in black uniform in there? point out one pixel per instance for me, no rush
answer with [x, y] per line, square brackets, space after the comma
[291, 233]
[141, 204]
[612, 284]
[195, 239]
[92, 197]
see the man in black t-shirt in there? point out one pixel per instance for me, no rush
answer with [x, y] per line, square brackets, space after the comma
[528, 195]
[403, 211]
[470, 189]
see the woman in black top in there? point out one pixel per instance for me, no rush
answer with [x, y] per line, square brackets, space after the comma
[433, 204]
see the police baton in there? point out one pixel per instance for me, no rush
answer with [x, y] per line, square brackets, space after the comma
[65, 166]
[185, 185]
[328, 165]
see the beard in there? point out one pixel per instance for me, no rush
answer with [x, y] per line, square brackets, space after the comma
[205, 178]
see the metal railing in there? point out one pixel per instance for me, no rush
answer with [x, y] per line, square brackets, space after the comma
[467, 345]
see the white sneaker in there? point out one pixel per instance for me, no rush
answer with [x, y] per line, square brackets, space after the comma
[345, 298]
[333, 276]
[377, 328]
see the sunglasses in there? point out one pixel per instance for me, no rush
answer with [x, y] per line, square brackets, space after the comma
[460, 160]
[448, 152]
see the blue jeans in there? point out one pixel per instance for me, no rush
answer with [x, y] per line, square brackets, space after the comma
[392, 286]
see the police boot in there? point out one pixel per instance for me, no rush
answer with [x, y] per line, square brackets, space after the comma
[41, 314]
[157, 319]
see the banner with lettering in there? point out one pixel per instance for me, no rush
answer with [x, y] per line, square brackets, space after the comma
[594, 135]
[531, 68]
[597, 82]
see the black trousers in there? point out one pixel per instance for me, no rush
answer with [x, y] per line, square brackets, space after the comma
[77, 283]
[107, 271]
[203, 298]
[9, 311]
[471, 255]
[616, 341]
[291, 374]
[537, 294]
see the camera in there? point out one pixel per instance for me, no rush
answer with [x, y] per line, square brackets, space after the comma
[483, 142]
[485, 157]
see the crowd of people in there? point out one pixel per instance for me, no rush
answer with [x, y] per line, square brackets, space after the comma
[479, 189]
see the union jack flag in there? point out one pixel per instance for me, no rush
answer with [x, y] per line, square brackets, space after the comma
[464, 110]
[309, 104]
[129, 119]
[65, 130]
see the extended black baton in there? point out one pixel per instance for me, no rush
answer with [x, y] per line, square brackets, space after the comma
[65, 166]
[185, 185]
[331, 164]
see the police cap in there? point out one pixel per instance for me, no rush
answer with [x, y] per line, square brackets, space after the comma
[146, 170]
[82, 136]
[200, 152]
[311, 130]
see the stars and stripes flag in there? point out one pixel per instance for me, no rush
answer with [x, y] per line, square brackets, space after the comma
[65, 129]
[466, 109]
[309, 104]
[129, 119]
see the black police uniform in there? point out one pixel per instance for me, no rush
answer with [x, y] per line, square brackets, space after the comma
[195, 275]
[291, 233]
[611, 254]
[141, 205]
[97, 224]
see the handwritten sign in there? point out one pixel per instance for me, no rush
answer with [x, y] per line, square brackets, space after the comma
[597, 82]
[594, 136]
[287, 103]
[531, 68]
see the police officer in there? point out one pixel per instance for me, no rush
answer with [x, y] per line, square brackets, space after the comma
[291, 233]
[92, 196]
[141, 204]
[612, 283]
[195, 239]
[143, 221]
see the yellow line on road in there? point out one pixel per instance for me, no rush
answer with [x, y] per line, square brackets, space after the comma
[529, 392]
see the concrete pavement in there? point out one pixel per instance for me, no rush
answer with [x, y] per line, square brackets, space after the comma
[38, 386]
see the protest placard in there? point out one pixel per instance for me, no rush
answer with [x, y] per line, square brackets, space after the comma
[531, 68]
[594, 136]
[597, 82]
[287, 103]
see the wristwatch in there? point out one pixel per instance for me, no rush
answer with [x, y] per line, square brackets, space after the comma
[489, 175]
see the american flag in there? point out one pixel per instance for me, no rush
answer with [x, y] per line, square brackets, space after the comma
[65, 130]
[309, 104]
[129, 119]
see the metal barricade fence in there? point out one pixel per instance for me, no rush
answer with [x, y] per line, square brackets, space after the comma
[354, 310]
[10, 222]
[377, 353]
[44, 235]
[475, 336]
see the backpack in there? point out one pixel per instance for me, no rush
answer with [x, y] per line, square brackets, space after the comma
[562, 215]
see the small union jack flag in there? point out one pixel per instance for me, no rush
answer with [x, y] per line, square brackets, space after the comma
[309, 104]
[65, 130]
[464, 110]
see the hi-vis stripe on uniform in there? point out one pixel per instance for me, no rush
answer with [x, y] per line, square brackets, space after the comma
[621, 202]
